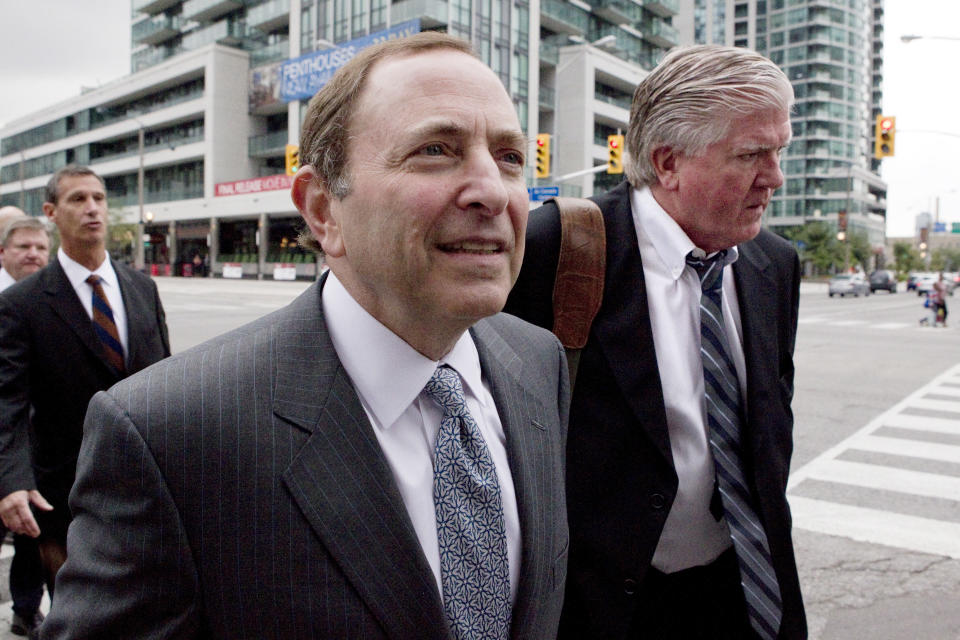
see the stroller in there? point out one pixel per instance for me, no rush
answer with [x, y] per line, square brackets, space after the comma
[935, 317]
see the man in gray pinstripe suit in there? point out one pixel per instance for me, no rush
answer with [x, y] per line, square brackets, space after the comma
[277, 482]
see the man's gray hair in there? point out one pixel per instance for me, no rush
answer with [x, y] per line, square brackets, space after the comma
[690, 99]
[26, 222]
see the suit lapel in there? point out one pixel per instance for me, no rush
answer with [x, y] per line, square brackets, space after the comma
[756, 296]
[529, 460]
[63, 301]
[342, 483]
[137, 327]
[624, 319]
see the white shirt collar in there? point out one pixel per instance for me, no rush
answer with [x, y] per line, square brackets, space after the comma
[669, 241]
[387, 373]
[78, 274]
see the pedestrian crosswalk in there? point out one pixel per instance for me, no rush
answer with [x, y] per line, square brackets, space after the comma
[895, 482]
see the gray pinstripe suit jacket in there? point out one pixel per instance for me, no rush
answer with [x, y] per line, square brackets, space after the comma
[237, 490]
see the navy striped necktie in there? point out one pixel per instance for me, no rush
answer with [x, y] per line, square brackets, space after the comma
[104, 325]
[724, 418]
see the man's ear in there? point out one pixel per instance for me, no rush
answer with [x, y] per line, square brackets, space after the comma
[312, 198]
[49, 209]
[665, 162]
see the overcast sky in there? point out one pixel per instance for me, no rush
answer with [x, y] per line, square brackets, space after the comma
[50, 49]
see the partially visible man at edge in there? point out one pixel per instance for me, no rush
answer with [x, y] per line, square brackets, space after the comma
[382, 458]
[56, 352]
[24, 249]
[679, 448]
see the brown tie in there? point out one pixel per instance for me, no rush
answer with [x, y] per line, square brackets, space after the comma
[104, 325]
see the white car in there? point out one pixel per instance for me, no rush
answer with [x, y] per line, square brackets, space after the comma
[925, 282]
[849, 284]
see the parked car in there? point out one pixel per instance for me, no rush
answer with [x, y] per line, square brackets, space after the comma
[926, 280]
[883, 280]
[849, 284]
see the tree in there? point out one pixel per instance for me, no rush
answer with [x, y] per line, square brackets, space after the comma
[121, 236]
[945, 259]
[817, 244]
[860, 250]
[907, 258]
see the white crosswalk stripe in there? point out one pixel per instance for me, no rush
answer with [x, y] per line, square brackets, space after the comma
[901, 455]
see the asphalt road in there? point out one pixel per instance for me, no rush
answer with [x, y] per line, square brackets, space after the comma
[875, 487]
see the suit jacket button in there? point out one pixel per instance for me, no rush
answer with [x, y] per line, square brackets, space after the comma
[657, 501]
[629, 586]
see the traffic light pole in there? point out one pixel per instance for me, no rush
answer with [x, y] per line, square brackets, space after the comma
[577, 174]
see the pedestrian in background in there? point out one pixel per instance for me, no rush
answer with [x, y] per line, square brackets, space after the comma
[380, 459]
[680, 426]
[75, 327]
[24, 249]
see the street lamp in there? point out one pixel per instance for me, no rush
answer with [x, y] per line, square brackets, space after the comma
[140, 249]
[911, 37]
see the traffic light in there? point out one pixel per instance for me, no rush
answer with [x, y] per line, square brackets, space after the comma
[542, 170]
[886, 130]
[615, 153]
[293, 158]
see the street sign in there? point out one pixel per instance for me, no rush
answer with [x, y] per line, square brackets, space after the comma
[939, 227]
[539, 194]
[955, 227]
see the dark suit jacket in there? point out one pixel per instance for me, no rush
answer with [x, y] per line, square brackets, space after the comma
[621, 480]
[237, 490]
[51, 364]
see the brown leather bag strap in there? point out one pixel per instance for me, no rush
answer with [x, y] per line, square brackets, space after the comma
[578, 287]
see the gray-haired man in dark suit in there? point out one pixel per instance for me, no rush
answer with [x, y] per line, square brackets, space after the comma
[383, 457]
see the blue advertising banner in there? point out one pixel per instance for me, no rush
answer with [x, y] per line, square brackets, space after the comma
[302, 77]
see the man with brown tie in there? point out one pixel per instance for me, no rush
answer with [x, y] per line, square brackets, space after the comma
[73, 328]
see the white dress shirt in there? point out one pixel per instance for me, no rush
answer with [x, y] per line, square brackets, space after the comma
[5, 279]
[77, 274]
[691, 535]
[389, 376]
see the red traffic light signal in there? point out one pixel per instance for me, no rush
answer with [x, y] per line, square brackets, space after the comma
[615, 153]
[884, 133]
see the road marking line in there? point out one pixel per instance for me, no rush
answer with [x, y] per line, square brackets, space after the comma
[922, 423]
[947, 391]
[873, 476]
[883, 419]
[890, 325]
[877, 527]
[936, 405]
[909, 448]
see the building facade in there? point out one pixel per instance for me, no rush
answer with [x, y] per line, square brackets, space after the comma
[191, 144]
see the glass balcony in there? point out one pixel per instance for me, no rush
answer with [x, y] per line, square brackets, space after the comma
[270, 53]
[432, 13]
[618, 11]
[152, 56]
[661, 34]
[268, 16]
[224, 32]
[662, 8]
[156, 29]
[203, 10]
[153, 6]
[267, 145]
[563, 17]
[548, 96]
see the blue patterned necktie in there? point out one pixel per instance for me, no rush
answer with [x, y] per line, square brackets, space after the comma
[104, 325]
[722, 390]
[474, 569]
